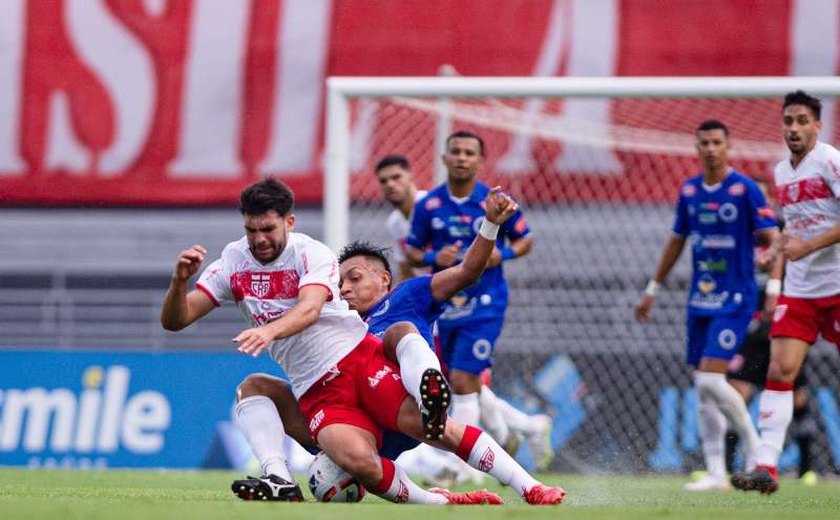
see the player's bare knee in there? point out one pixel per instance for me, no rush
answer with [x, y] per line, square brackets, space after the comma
[783, 371]
[255, 384]
[363, 464]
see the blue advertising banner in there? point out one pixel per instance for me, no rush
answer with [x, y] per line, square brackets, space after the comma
[107, 409]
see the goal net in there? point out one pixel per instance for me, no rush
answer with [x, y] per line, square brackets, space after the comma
[596, 165]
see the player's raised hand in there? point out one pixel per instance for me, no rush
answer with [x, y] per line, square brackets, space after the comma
[253, 341]
[499, 206]
[448, 255]
[643, 308]
[189, 261]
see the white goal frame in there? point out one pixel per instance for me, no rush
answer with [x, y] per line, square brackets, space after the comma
[340, 90]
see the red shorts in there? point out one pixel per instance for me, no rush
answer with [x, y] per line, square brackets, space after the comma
[364, 390]
[806, 318]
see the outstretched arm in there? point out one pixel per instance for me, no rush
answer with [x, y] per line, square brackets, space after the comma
[445, 284]
[181, 308]
[670, 255]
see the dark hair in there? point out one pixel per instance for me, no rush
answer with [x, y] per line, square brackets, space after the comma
[391, 160]
[266, 195]
[799, 97]
[466, 134]
[713, 124]
[367, 249]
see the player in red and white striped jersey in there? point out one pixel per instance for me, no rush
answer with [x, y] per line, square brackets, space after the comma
[808, 189]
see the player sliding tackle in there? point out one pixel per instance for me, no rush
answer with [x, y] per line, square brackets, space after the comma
[286, 285]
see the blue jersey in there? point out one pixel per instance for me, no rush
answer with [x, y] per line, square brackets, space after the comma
[721, 226]
[412, 301]
[439, 221]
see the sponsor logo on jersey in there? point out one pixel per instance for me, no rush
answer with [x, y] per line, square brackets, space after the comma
[438, 223]
[737, 189]
[688, 190]
[432, 203]
[521, 225]
[462, 219]
[706, 284]
[487, 461]
[713, 266]
[709, 206]
[717, 242]
[707, 218]
[728, 212]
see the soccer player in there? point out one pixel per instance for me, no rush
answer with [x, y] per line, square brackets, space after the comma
[748, 369]
[721, 211]
[286, 285]
[808, 189]
[394, 175]
[445, 221]
[503, 421]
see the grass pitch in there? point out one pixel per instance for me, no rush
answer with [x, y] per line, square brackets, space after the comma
[128, 495]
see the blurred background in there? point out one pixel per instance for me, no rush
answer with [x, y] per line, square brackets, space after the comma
[128, 128]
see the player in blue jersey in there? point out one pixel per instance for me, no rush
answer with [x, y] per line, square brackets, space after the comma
[720, 211]
[443, 222]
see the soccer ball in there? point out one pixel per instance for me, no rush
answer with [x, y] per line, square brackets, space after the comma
[329, 483]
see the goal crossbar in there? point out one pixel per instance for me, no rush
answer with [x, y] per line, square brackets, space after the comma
[340, 90]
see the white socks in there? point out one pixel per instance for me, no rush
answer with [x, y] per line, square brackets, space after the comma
[395, 486]
[775, 413]
[465, 409]
[415, 357]
[491, 415]
[260, 422]
[712, 435]
[481, 452]
[730, 402]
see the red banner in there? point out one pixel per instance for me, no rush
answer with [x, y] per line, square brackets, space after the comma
[125, 102]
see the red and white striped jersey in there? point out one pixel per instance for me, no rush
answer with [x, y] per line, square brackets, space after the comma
[810, 198]
[264, 292]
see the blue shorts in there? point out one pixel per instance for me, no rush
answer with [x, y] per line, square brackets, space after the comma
[716, 337]
[394, 443]
[468, 345]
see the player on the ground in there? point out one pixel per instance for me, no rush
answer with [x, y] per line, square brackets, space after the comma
[721, 211]
[808, 189]
[444, 222]
[394, 175]
[286, 285]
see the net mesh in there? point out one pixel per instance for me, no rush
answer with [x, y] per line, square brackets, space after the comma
[597, 180]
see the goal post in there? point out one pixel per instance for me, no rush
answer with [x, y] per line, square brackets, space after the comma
[340, 90]
[596, 164]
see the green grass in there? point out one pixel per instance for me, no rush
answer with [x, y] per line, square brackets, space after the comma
[91, 495]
